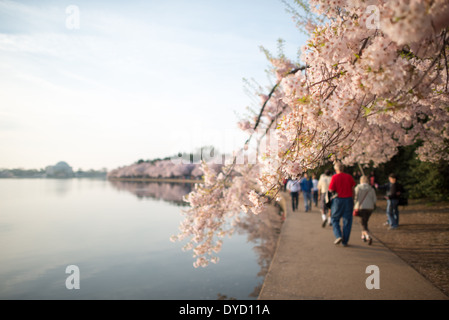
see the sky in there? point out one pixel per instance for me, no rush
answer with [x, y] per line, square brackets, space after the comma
[102, 84]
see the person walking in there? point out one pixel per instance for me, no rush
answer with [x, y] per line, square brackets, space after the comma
[323, 187]
[393, 192]
[365, 201]
[315, 190]
[342, 206]
[294, 187]
[306, 188]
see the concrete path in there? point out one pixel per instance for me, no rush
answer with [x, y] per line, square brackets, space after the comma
[308, 266]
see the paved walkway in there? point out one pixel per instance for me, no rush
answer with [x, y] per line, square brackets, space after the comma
[307, 265]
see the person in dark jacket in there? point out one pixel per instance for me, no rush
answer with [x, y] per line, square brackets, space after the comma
[393, 192]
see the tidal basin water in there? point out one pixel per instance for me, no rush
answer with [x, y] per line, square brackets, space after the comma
[118, 234]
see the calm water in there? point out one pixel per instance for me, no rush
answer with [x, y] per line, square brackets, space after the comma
[118, 235]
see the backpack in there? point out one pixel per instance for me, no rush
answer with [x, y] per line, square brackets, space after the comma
[330, 196]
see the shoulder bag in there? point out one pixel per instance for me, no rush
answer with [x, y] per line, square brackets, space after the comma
[357, 211]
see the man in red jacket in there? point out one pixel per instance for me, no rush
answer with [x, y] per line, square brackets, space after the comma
[342, 206]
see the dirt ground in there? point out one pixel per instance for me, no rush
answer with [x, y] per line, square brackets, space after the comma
[422, 239]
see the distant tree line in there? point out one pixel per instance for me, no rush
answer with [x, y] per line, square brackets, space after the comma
[21, 173]
[91, 173]
[41, 173]
[199, 154]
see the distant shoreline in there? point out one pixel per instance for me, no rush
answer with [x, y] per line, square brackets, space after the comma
[156, 180]
[166, 180]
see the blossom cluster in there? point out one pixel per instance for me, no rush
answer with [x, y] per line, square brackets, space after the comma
[215, 208]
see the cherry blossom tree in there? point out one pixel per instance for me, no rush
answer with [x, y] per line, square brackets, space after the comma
[374, 76]
[159, 169]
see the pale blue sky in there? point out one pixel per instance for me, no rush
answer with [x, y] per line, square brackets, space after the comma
[138, 79]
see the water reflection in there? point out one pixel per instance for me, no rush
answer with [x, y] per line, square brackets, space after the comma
[261, 230]
[60, 187]
[169, 192]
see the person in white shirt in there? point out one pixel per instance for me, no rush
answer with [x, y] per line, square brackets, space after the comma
[365, 202]
[323, 187]
[294, 187]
